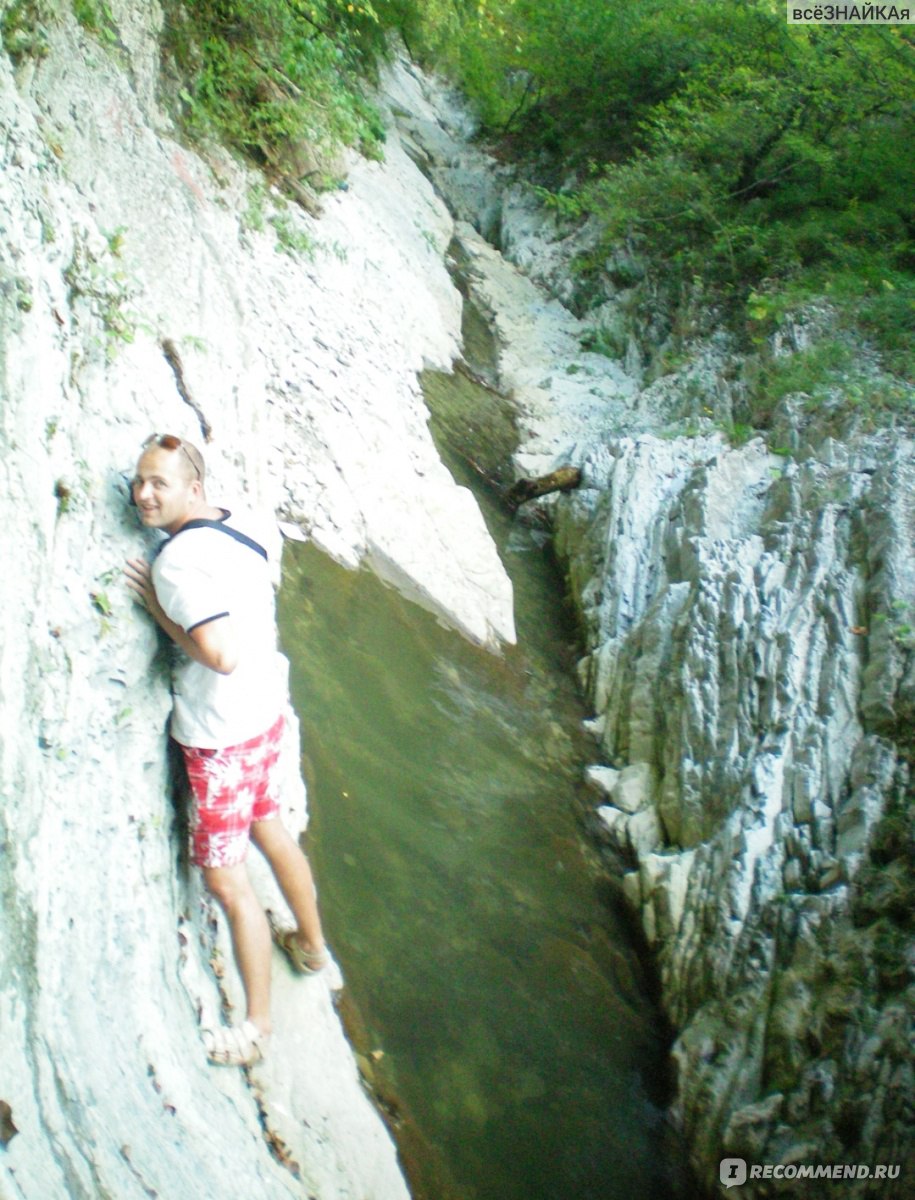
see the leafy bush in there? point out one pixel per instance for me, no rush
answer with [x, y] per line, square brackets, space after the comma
[834, 379]
[281, 81]
[743, 157]
[789, 152]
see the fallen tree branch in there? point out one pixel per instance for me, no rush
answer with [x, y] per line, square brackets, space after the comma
[563, 479]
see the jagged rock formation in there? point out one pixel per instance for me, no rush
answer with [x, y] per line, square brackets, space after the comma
[745, 678]
[137, 293]
[752, 669]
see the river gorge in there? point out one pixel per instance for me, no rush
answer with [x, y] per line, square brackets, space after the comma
[743, 674]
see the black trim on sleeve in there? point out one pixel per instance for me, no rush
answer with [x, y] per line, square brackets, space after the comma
[206, 621]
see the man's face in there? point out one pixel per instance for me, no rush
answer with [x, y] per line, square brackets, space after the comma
[164, 495]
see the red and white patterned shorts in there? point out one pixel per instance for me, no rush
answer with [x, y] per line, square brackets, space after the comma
[231, 788]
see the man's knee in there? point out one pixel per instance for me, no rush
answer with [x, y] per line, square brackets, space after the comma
[228, 885]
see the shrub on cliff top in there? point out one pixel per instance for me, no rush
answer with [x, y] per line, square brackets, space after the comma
[731, 149]
[270, 77]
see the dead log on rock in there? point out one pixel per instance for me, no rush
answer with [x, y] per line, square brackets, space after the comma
[563, 479]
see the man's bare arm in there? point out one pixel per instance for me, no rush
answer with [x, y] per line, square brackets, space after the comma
[212, 644]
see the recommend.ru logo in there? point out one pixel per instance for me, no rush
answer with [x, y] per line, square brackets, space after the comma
[732, 1172]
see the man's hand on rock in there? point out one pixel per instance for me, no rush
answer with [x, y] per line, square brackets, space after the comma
[140, 583]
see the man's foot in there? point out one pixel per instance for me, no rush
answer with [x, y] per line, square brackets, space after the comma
[306, 962]
[235, 1045]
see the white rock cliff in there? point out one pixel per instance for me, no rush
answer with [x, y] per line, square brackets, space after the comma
[135, 295]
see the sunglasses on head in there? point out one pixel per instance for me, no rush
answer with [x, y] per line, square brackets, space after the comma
[168, 441]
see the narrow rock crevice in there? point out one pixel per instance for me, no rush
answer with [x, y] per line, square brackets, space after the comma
[173, 358]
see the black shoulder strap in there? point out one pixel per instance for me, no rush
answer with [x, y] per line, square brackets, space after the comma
[222, 527]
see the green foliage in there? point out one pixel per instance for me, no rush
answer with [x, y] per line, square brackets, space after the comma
[102, 603]
[810, 371]
[832, 376]
[737, 432]
[575, 77]
[23, 32]
[18, 289]
[742, 157]
[96, 17]
[785, 151]
[611, 342]
[253, 217]
[901, 623]
[289, 239]
[64, 495]
[280, 81]
[886, 311]
[115, 240]
[106, 290]
[884, 894]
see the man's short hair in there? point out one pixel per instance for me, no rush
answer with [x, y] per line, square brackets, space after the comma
[196, 458]
[193, 465]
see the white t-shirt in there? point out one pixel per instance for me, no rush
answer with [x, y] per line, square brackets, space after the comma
[202, 573]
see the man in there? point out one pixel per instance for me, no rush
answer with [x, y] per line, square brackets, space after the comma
[210, 589]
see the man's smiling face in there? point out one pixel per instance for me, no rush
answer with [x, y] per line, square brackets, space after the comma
[165, 489]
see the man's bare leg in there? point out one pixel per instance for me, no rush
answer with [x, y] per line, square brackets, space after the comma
[250, 936]
[293, 874]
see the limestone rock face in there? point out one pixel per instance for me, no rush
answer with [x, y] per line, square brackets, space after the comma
[137, 293]
[751, 662]
[740, 614]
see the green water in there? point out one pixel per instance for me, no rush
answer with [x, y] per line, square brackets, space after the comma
[490, 984]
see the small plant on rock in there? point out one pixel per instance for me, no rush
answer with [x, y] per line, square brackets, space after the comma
[901, 621]
[96, 18]
[106, 290]
[289, 238]
[23, 32]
